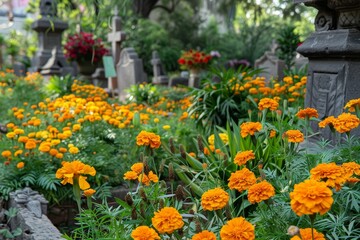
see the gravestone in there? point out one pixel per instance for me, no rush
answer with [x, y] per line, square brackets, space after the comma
[129, 71]
[19, 69]
[116, 37]
[49, 29]
[51, 67]
[182, 80]
[334, 58]
[272, 66]
[160, 77]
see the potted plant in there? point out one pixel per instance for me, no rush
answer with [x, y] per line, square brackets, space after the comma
[86, 51]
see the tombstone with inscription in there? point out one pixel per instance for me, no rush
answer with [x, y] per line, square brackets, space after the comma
[49, 29]
[129, 70]
[160, 76]
[334, 58]
[272, 66]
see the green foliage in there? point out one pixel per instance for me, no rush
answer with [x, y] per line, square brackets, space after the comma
[59, 86]
[144, 93]
[288, 41]
[4, 231]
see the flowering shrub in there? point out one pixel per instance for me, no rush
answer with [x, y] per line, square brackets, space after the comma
[194, 60]
[82, 47]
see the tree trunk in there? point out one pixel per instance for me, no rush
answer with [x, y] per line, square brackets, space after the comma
[144, 7]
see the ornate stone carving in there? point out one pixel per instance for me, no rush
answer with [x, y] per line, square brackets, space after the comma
[324, 21]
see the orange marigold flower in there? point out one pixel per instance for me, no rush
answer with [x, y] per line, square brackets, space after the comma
[146, 179]
[241, 158]
[6, 154]
[237, 228]
[75, 170]
[45, 147]
[351, 168]
[352, 104]
[311, 197]
[89, 192]
[260, 191]
[214, 199]
[18, 152]
[241, 180]
[144, 233]
[307, 113]
[20, 165]
[137, 167]
[327, 121]
[345, 122]
[306, 234]
[272, 133]
[148, 139]
[167, 220]
[332, 174]
[294, 136]
[250, 128]
[268, 103]
[23, 139]
[30, 144]
[204, 235]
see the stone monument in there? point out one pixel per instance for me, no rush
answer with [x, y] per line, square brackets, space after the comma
[272, 66]
[116, 37]
[160, 76]
[49, 30]
[129, 70]
[334, 58]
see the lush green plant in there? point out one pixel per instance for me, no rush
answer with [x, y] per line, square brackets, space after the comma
[4, 229]
[144, 93]
[59, 85]
[288, 41]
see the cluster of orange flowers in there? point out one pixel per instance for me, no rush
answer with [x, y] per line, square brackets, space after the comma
[344, 123]
[137, 173]
[249, 128]
[150, 139]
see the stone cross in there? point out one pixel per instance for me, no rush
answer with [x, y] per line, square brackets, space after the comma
[334, 58]
[116, 37]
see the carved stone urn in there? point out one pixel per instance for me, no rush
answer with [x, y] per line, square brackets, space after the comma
[334, 58]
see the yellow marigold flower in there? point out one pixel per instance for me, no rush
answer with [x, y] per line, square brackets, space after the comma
[130, 175]
[237, 228]
[327, 121]
[332, 174]
[10, 135]
[241, 180]
[166, 127]
[76, 127]
[268, 103]
[351, 168]
[345, 122]
[156, 120]
[214, 199]
[311, 197]
[75, 170]
[30, 144]
[144, 233]
[20, 165]
[148, 139]
[18, 152]
[18, 131]
[306, 234]
[294, 136]
[241, 158]
[223, 136]
[253, 91]
[73, 150]
[288, 80]
[352, 104]
[167, 220]
[6, 154]
[260, 191]
[250, 128]
[204, 235]
[137, 167]
[10, 125]
[89, 192]
[307, 113]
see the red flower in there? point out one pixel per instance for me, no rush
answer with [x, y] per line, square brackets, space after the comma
[194, 60]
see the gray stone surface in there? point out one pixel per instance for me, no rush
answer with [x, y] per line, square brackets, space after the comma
[49, 29]
[31, 216]
[129, 71]
[19, 69]
[334, 58]
[178, 81]
[160, 76]
[272, 66]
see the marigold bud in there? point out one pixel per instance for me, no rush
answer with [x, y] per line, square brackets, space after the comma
[179, 193]
[143, 194]
[129, 199]
[200, 143]
[133, 213]
[182, 151]
[171, 172]
[172, 147]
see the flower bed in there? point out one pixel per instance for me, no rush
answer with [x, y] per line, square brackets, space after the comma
[243, 178]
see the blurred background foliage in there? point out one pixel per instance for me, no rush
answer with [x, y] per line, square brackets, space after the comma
[237, 29]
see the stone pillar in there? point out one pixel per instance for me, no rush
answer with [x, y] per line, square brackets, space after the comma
[49, 29]
[334, 58]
